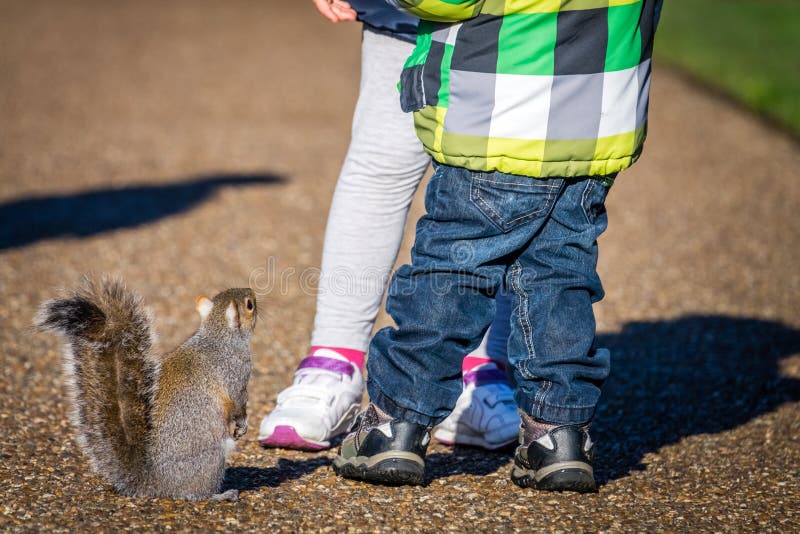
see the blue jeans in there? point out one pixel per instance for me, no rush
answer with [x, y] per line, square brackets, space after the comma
[486, 233]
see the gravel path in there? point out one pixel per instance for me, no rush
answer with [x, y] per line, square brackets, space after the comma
[193, 146]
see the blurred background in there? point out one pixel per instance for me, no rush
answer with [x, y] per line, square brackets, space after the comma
[747, 49]
[189, 146]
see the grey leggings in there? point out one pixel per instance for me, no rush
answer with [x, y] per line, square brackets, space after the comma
[383, 167]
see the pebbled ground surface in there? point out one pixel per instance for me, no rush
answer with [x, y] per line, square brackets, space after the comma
[193, 146]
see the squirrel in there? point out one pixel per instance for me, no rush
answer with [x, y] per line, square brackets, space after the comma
[155, 426]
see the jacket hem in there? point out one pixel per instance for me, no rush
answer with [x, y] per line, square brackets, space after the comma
[536, 168]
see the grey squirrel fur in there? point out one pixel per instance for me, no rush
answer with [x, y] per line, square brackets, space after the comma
[151, 425]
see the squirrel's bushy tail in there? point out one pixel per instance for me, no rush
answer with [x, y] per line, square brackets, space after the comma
[112, 375]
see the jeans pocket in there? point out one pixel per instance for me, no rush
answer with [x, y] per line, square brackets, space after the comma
[508, 200]
[593, 200]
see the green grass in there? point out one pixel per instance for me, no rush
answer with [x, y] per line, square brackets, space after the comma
[748, 48]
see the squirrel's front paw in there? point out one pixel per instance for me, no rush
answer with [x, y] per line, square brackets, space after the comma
[240, 429]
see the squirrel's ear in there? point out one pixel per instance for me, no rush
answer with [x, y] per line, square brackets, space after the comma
[203, 305]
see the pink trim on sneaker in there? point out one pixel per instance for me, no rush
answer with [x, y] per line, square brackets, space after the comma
[286, 437]
[471, 362]
[356, 357]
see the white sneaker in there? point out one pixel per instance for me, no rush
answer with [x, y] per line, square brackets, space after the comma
[485, 414]
[319, 405]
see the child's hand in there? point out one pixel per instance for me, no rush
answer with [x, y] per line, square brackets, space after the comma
[335, 10]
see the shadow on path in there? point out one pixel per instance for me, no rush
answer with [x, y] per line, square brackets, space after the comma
[669, 379]
[693, 375]
[253, 478]
[88, 213]
[466, 461]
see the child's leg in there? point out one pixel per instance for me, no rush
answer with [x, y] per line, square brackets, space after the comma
[557, 369]
[383, 167]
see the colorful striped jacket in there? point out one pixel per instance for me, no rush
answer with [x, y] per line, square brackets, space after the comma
[542, 88]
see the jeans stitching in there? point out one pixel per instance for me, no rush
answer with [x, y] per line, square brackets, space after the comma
[542, 395]
[494, 217]
[522, 310]
[524, 321]
[584, 200]
[549, 186]
[546, 203]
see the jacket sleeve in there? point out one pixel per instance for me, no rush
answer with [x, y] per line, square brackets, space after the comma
[440, 10]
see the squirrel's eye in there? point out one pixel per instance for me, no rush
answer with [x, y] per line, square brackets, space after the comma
[249, 304]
